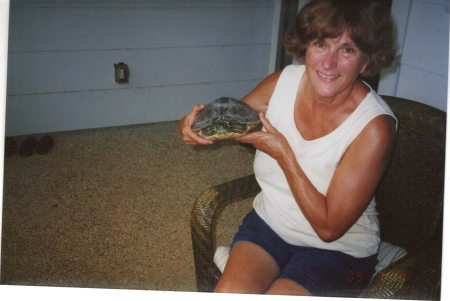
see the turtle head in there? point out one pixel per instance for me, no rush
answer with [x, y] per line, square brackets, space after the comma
[218, 130]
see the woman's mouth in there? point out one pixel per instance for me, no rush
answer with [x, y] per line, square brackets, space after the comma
[327, 76]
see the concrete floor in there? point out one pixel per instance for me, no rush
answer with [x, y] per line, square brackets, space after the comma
[109, 208]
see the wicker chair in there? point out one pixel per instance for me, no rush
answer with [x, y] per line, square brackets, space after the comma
[409, 200]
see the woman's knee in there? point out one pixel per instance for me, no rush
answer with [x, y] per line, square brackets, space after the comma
[249, 269]
[287, 287]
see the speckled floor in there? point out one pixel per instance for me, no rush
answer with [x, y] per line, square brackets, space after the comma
[109, 208]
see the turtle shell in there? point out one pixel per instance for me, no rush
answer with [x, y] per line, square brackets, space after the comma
[225, 118]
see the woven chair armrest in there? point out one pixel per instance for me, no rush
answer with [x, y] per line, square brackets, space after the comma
[415, 276]
[205, 208]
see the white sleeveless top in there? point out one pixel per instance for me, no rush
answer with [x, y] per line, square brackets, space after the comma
[318, 158]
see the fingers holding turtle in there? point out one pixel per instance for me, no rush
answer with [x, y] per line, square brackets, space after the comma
[185, 124]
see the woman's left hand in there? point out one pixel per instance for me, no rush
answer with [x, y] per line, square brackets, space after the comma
[270, 142]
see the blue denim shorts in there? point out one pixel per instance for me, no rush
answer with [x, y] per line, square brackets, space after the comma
[321, 272]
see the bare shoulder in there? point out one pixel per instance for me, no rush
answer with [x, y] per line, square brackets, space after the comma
[382, 126]
[260, 96]
[365, 159]
[376, 140]
[361, 167]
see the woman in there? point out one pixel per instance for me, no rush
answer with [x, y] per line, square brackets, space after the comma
[325, 144]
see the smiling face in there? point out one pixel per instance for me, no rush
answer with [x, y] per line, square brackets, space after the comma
[333, 65]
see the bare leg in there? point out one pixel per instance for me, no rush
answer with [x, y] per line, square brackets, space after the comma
[287, 287]
[249, 270]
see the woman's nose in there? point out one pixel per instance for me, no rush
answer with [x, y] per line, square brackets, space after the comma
[330, 60]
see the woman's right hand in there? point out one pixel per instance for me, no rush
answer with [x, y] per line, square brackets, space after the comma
[185, 128]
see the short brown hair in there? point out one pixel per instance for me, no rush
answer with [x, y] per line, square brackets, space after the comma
[367, 22]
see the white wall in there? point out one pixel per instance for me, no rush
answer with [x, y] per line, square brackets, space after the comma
[61, 56]
[421, 70]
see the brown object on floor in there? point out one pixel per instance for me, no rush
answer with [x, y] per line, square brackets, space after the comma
[44, 145]
[27, 147]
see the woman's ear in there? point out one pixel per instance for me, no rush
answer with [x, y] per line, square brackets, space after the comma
[366, 63]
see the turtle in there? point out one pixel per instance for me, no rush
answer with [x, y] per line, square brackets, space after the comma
[225, 118]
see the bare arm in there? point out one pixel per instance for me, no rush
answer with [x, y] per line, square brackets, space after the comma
[260, 96]
[353, 183]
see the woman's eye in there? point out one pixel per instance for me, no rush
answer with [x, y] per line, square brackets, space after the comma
[319, 44]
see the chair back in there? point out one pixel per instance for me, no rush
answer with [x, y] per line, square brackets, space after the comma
[411, 193]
